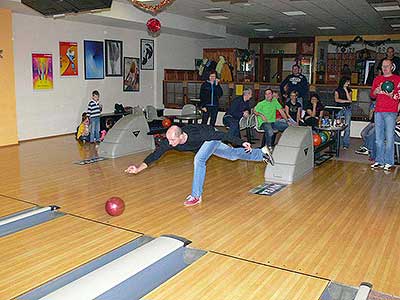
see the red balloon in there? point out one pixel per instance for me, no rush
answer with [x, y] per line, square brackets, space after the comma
[153, 25]
[115, 206]
[166, 123]
[317, 139]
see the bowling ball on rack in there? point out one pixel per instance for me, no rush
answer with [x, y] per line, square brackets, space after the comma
[387, 86]
[316, 139]
[324, 137]
[328, 134]
[115, 206]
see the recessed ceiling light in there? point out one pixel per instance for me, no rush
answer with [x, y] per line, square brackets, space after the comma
[387, 8]
[395, 25]
[294, 13]
[217, 17]
[262, 29]
[326, 27]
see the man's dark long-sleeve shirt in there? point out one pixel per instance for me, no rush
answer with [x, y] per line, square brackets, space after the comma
[296, 83]
[197, 135]
[238, 107]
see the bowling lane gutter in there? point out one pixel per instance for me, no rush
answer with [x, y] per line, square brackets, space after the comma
[269, 265]
[78, 216]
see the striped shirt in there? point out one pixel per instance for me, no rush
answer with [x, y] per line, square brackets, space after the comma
[397, 129]
[94, 109]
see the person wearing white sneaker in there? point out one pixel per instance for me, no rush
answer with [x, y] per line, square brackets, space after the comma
[205, 141]
[387, 105]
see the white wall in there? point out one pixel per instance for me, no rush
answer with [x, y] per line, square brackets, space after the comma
[57, 111]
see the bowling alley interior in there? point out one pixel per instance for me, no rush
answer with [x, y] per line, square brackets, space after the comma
[108, 111]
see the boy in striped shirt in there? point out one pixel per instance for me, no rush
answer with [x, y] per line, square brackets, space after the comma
[94, 110]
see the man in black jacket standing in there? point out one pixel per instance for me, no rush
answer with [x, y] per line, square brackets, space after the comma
[210, 92]
[205, 141]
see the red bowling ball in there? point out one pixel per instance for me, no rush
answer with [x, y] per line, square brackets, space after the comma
[166, 123]
[115, 206]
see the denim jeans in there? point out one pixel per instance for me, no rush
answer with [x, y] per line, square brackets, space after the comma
[85, 138]
[366, 132]
[221, 150]
[269, 130]
[369, 141]
[95, 129]
[346, 113]
[233, 125]
[385, 122]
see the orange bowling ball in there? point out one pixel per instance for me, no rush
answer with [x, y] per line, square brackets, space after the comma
[166, 123]
[115, 206]
[316, 139]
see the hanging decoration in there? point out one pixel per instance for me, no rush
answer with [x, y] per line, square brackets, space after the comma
[153, 9]
[153, 25]
[357, 39]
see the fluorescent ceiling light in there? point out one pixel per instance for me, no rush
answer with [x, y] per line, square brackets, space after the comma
[217, 17]
[326, 28]
[262, 29]
[214, 10]
[391, 17]
[294, 13]
[257, 23]
[58, 16]
[145, 0]
[387, 8]
[395, 25]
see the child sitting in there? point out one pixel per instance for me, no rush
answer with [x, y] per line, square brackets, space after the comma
[109, 124]
[83, 134]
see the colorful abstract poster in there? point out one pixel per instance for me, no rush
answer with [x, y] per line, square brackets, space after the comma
[42, 71]
[94, 59]
[68, 58]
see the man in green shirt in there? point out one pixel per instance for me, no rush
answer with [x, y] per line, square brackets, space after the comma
[265, 111]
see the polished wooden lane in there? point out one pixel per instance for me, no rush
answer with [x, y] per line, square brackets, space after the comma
[341, 222]
[36, 255]
[11, 206]
[223, 278]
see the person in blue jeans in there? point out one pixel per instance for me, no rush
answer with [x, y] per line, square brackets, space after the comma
[210, 92]
[240, 108]
[343, 99]
[93, 111]
[368, 132]
[205, 141]
[265, 111]
[386, 109]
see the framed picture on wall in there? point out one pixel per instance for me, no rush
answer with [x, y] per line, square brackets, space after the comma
[42, 71]
[68, 58]
[147, 54]
[113, 58]
[131, 82]
[94, 59]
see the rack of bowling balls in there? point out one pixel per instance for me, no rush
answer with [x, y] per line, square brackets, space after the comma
[322, 139]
